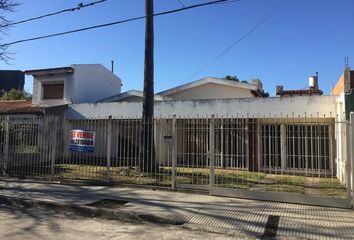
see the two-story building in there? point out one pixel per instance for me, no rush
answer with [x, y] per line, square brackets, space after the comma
[78, 83]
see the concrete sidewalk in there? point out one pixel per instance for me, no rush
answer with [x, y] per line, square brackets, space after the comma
[248, 216]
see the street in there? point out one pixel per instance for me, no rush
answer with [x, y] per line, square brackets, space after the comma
[20, 223]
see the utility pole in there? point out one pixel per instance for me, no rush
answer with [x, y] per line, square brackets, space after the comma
[148, 153]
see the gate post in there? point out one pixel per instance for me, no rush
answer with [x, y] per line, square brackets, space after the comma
[351, 144]
[174, 151]
[7, 144]
[212, 152]
[109, 147]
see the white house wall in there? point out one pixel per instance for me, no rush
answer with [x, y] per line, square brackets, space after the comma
[211, 91]
[311, 106]
[94, 82]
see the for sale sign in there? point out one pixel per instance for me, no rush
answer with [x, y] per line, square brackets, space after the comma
[82, 140]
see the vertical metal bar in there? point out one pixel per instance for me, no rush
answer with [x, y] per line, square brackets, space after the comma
[282, 147]
[352, 155]
[348, 160]
[7, 143]
[259, 145]
[109, 147]
[212, 152]
[174, 151]
[246, 159]
[54, 146]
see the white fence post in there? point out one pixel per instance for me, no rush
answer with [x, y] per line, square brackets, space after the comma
[212, 152]
[53, 137]
[174, 151]
[109, 147]
[348, 159]
[7, 144]
[350, 145]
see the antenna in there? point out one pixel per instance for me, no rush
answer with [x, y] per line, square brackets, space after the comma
[112, 66]
[346, 62]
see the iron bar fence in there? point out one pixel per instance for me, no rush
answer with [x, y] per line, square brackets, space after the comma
[301, 155]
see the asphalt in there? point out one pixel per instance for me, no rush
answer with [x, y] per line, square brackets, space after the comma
[261, 219]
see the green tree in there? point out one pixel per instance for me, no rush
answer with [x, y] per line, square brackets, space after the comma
[14, 94]
[232, 78]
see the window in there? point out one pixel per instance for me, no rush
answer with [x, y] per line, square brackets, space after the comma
[305, 147]
[53, 91]
[271, 148]
[308, 147]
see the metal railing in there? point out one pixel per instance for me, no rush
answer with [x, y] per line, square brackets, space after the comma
[298, 155]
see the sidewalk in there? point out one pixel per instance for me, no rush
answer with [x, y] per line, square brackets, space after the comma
[249, 216]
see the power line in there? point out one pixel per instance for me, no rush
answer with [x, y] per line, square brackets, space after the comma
[80, 6]
[239, 40]
[118, 22]
[232, 45]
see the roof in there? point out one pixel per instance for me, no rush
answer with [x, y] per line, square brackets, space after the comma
[48, 71]
[206, 80]
[310, 91]
[127, 94]
[19, 107]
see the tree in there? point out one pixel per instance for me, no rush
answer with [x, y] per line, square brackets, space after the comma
[15, 94]
[232, 78]
[5, 6]
[148, 154]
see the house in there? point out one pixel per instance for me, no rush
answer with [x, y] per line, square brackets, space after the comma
[204, 127]
[251, 133]
[78, 83]
[11, 79]
[345, 83]
[19, 108]
[313, 89]
[205, 88]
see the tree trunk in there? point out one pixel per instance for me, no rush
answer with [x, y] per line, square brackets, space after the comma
[148, 154]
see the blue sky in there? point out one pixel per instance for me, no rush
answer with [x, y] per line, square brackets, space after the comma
[301, 38]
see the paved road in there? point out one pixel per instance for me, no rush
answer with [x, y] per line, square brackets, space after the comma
[18, 224]
[298, 221]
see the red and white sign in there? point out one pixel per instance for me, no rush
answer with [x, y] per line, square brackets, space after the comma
[82, 140]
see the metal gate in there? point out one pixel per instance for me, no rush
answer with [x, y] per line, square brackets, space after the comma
[292, 159]
[304, 159]
[27, 146]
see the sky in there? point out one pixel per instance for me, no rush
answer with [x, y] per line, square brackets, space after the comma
[300, 38]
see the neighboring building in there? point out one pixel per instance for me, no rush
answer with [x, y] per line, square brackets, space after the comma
[344, 88]
[313, 89]
[345, 83]
[10, 79]
[206, 88]
[214, 88]
[129, 96]
[79, 83]
[19, 108]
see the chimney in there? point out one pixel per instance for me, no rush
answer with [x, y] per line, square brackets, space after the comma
[279, 90]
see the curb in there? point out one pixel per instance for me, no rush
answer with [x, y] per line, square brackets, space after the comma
[88, 211]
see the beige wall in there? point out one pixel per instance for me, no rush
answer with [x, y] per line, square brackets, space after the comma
[211, 91]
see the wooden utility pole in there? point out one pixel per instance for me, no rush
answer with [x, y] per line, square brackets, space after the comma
[148, 153]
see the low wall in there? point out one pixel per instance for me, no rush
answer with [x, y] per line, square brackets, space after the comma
[311, 106]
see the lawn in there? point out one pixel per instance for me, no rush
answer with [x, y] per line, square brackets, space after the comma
[224, 178]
